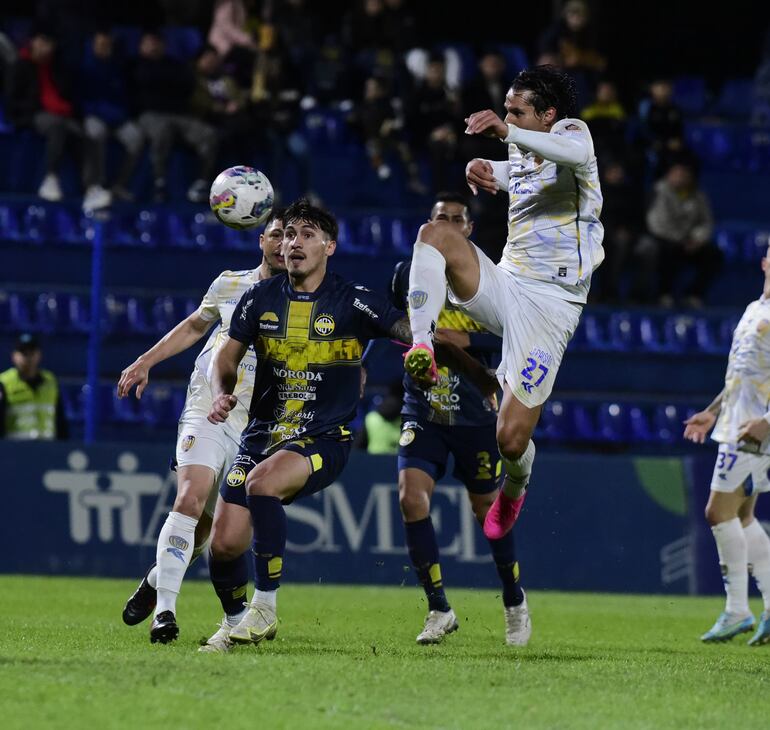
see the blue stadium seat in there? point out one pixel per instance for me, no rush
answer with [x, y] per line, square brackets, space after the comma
[729, 243]
[14, 312]
[584, 423]
[167, 312]
[639, 425]
[178, 230]
[594, 332]
[680, 333]
[150, 229]
[755, 245]
[67, 226]
[736, 99]
[208, 232]
[182, 42]
[690, 94]
[708, 337]
[124, 410]
[36, 224]
[556, 421]
[623, 332]
[160, 406]
[613, 422]
[9, 223]
[650, 335]
[669, 422]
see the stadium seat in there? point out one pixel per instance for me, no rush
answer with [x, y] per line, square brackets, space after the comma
[161, 405]
[584, 423]
[594, 333]
[9, 223]
[207, 232]
[67, 226]
[613, 422]
[167, 312]
[736, 99]
[623, 332]
[669, 422]
[708, 338]
[150, 229]
[36, 224]
[556, 422]
[755, 245]
[679, 332]
[690, 94]
[640, 430]
[15, 310]
[650, 335]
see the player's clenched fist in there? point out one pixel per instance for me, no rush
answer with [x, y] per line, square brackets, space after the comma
[479, 174]
[221, 407]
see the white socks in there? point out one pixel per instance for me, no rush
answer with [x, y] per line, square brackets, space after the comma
[268, 597]
[152, 576]
[731, 546]
[427, 292]
[518, 472]
[758, 551]
[175, 549]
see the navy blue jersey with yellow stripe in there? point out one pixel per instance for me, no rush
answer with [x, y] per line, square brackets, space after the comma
[454, 400]
[308, 349]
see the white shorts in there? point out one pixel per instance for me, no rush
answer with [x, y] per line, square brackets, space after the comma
[535, 328]
[201, 443]
[734, 468]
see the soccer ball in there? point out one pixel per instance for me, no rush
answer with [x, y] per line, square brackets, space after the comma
[241, 197]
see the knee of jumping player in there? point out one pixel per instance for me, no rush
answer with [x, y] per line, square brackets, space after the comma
[440, 234]
[512, 439]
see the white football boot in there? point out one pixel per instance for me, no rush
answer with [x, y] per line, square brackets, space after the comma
[518, 627]
[260, 622]
[437, 625]
[220, 642]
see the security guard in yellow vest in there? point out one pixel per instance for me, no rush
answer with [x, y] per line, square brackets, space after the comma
[30, 404]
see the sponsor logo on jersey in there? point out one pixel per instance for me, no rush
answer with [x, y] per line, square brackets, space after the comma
[358, 304]
[178, 542]
[562, 271]
[269, 317]
[245, 307]
[361, 288]
[324, 324]
[573, 127]
[236, 477]
[418, 298]
[297, 374]
[187, 443]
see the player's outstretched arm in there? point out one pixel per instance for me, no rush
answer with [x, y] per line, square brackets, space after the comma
[224, 376]
[697, 426]
[184, 335]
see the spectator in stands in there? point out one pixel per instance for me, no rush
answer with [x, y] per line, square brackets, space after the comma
[30, 401]
[681, 224]
[233, 34]
[434, 116]
[219, 101]
[573, 39]
[103, 91]
[40, 97]
[380, 120]
[661, 126]
[622, 218]
[163, 89]
[608, 121]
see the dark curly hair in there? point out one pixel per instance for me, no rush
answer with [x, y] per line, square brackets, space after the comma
[276, 214]
[549, 87]
[303, 210]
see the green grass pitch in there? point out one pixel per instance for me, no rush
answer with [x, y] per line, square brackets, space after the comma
[345, 657]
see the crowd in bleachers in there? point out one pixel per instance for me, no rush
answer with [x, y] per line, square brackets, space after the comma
[146, 108]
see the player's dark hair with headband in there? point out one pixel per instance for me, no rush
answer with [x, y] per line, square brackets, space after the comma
[303, 210]
[549, 87]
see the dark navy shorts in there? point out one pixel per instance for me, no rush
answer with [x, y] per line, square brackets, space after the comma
[427, 446]
[327, 459]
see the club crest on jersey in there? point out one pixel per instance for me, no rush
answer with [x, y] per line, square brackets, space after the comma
[324, 324]
[407, 436]
[418, 298]
[187, 443]
[236, 477]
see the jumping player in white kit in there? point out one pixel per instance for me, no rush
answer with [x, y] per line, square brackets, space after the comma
[741, 413]
[533, 298]
[204, 451]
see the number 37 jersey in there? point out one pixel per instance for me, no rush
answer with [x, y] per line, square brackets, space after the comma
[308, 348]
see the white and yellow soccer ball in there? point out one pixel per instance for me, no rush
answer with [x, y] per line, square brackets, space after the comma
[241, 197]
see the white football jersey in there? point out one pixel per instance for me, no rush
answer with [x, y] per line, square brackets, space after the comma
[218, 304]
[554, 233]
[747, 382]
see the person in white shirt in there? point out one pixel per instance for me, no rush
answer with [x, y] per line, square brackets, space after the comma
[741, 413]
[533, 298]
[203, 451]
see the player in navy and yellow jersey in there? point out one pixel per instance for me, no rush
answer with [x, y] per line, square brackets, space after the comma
[452, 417]
[309, 330]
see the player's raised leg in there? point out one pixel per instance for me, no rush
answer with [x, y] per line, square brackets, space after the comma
[515, 426]
[518, 627]
[415, 487]
[175, 546]
[440, 253]
[229, 569]
[722, 515]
